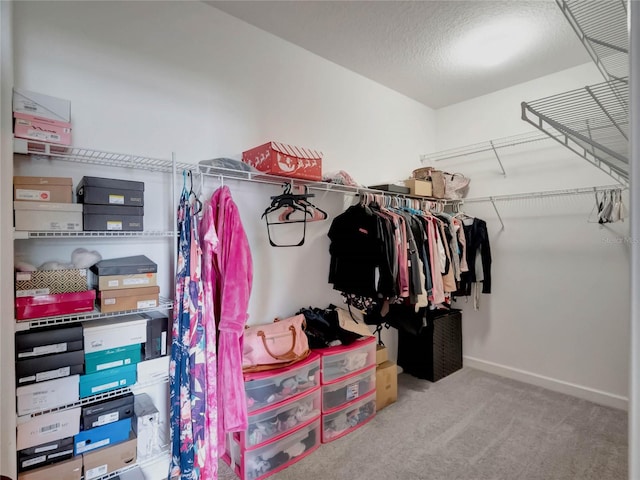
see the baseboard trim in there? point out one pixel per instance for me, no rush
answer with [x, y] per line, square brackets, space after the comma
[593, 395]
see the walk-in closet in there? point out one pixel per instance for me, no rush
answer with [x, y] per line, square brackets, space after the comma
[284, 240]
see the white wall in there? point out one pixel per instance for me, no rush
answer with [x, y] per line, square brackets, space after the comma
[153, 78]
[558, 314]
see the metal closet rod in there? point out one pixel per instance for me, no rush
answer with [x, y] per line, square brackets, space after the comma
[544, 194]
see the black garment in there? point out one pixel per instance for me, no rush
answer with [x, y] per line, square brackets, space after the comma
[477, 240]
[356, 251]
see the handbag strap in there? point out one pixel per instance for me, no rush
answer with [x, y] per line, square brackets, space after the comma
[289, 355]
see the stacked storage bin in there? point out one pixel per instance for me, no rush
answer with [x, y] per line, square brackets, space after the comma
[348, 375]
[284, 408]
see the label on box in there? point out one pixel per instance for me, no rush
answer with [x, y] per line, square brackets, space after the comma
[114, 225]
[353, 391]
[133, 281]
[50, 375]
[45, 350]
[113, 283]
[32, 293]
[163, 348]
[83, 446]
[40, 195]
[34, 461]
[116, 363]
[105, 386]
[96, 472]
[116, 199]
[27, 379]
[46, 449]
[147, 304]
[106, 418]
[61, 454]
[109, 301]
[54, 427]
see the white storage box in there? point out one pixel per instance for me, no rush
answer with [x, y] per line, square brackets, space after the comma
[46, 216]
[40, 105]
[45, 395]
[337, 394]
[146, 426]
[113, 333]
[151, 370]
[346, 419]
[47, 428]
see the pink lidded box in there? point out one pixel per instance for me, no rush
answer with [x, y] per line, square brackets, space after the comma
[54, 304]
[42, 129]
[342, 360]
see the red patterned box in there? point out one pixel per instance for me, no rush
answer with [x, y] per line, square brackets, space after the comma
[286, 160]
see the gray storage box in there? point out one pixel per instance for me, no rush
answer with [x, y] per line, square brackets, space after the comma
[110, 191]
[112, 217]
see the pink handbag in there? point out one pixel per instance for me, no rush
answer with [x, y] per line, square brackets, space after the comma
[275, 345]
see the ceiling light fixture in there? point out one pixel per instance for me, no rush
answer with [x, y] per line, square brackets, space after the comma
[494, 44]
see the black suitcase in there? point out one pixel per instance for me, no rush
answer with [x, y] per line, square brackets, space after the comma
[435, 350]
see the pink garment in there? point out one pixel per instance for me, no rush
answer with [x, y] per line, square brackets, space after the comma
[231, 291]
[209, 249]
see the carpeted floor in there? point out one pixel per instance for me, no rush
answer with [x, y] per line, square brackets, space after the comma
[474, 426]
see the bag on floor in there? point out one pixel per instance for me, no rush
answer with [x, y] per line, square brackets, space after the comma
[275, 345]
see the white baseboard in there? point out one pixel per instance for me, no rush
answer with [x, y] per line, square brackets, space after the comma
[596, 396]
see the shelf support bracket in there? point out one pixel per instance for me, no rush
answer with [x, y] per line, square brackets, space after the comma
[493, 203]
[495, 151]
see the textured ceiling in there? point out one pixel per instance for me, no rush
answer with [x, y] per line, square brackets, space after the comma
[411, 46]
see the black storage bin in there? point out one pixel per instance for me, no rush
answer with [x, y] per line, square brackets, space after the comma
[435, 350]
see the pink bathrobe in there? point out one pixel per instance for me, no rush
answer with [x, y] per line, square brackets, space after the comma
[233, 269]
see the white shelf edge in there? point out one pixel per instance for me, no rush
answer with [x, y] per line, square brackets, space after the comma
[25, 235]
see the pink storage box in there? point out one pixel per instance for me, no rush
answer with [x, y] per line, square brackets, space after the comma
[286, 160]
[337, 394]
[254, 464]
[275, 422]
[339, 361]
[42, 129]
[271, 387]
[54, 304]
[346, 419]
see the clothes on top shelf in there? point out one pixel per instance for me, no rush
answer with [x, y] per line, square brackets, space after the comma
[385, 255]
[324, 327]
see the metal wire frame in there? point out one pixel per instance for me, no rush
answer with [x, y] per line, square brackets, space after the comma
[592, 121]
[601, 26]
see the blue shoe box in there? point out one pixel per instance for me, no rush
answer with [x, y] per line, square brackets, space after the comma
[110, 434]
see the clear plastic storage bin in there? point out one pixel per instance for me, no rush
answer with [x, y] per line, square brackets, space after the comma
[338, 394]
[346, 419]
[336, 362]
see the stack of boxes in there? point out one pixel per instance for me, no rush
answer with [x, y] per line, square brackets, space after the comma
[58, 366]
[386, 379]
[128, 283]
[41, 117]
[111, 205]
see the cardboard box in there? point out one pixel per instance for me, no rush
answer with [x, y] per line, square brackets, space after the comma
[47, 428]
[41, 129]
[386, 384]
[107, 380]
[147, 426]
[43, 189]
[45, 454]
[45, 282]
[114, 332]
[108, 411]
[49, 367]
[128, 299]
[41, 106]
[382, 354]
[110, 191]
[107, 460]
[54, 304]
[45, 395]
[117, 282]
[110, 434]
[112, 357]
[67, 470]
[157, 344]
[286, 160]
[125, 266]
[48, 340]
[422, 188]
[47, 217]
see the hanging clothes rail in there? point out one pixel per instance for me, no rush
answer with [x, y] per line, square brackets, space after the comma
[487, 146]
[544, 194]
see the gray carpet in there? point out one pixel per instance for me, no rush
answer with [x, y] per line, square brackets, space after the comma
[474, 426]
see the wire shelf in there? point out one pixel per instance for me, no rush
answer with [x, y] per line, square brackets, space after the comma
[23, 235]
[49, 151]
[20, 325]
[592, 121]
[601, 26]
[545, 194]
[103, 396]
